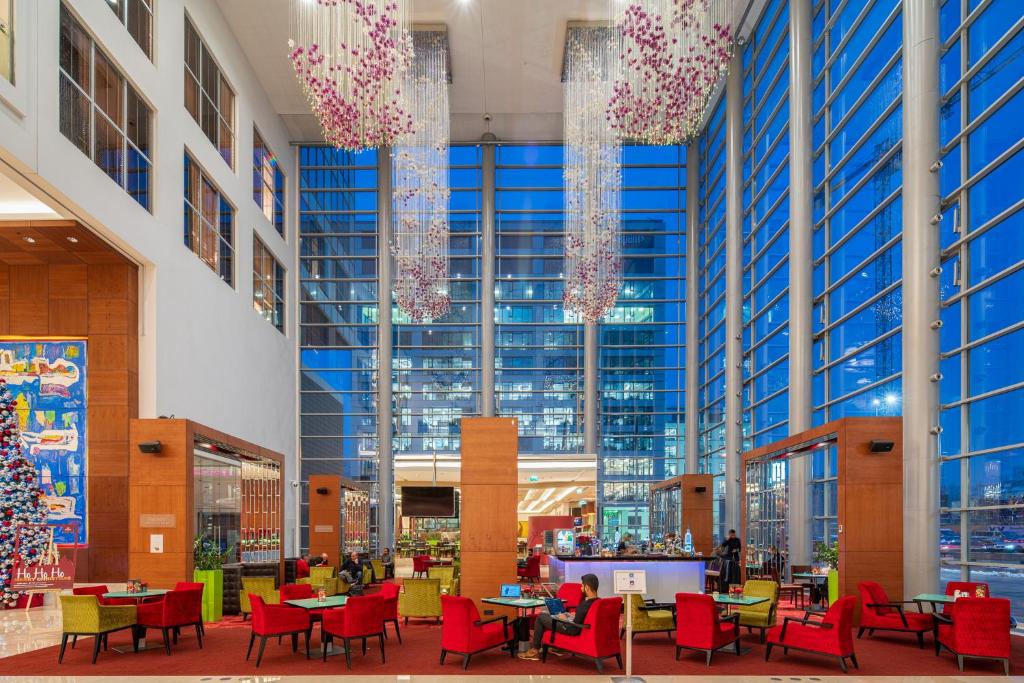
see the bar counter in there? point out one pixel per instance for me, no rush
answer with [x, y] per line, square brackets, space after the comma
[666, 574]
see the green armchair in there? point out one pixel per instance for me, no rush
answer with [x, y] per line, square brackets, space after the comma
[648, 620]
[262, 586]
[326, 578]
[83, 615]
[378, 570]
[444, 574]
[420, 598]
[762, 615]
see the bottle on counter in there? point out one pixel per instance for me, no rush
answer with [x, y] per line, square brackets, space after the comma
[688, 542]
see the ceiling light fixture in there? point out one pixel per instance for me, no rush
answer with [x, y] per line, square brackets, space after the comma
[30, 240]
[73, 240]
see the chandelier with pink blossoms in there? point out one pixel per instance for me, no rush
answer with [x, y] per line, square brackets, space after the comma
[673, 53]
[592, 173]
[350, 57]
[420, 188]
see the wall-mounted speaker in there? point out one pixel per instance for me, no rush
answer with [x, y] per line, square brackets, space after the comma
[149, 447]
[881, 446]
[323, 490]
[700, 489]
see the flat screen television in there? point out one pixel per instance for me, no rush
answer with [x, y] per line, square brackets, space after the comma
[428, 501]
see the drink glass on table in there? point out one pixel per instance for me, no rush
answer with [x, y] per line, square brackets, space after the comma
[321, 595]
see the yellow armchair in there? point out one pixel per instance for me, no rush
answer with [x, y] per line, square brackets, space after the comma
[446, 575]
[420, 598]
[762, 615]
[83, 615]
[647, 620]
[262, 586]
[378, 570]
[326, 578]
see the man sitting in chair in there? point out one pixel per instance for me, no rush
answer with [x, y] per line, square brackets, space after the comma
[565, 623]
[352, 570]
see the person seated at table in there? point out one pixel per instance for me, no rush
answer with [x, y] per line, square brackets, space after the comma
[522, 563]
[388, 560]
[352, 570]
[565, 622]
[302, 567]
[626, 546]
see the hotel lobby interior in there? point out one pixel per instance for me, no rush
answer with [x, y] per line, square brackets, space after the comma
[526, 340]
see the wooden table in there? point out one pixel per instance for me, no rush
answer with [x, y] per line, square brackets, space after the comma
[331, 601]
[138, 596]
[524, 607]
[933, 599]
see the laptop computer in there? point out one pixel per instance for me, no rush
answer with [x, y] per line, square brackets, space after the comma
[555, 606]
[511, 590]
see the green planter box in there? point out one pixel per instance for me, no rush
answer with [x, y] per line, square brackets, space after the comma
[833, 586]
[213, 593]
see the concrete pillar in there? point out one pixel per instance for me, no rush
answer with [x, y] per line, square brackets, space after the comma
[591, 393]
[487, 256]
[385, 416]
[692, 361]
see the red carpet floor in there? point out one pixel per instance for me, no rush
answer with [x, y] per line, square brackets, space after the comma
[224, 655]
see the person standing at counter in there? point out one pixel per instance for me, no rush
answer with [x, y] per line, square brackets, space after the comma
[566, 623]
[729, 551]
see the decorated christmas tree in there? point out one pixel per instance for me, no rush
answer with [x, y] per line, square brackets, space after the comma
[20, 499]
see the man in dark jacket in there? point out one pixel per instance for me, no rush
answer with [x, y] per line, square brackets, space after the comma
[564, 622]
[352, 570]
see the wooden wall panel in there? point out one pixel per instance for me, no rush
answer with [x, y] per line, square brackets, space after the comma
[489, 490]
[325, 517]
[52, 292]
[698, 511]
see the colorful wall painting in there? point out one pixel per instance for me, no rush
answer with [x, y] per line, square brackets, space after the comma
[48, 380]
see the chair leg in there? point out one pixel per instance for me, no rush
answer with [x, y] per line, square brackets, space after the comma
[364, 647]
[465, 661]
[380, 639]
[599, 664]
[74, 641]
[106, 641]
[737, 644]
[252, 639]
[407, 621]
[709, 654]
[860, 631]
[259, 655]
[1006, 667]
[167, 642]
[99, 639]
[767, 651]
[348, 653]
[920, 639]
[174, 634]
[443, 653]
[63, 644]
[295, 642]
[853, 658]
[398, 632]
[308, 635]
[842, 664]
[199, 634]
[622, 633]
[543, 653]
[959, 662]
[678, 650]
[325, 644]
[136, 636]
[618, 660]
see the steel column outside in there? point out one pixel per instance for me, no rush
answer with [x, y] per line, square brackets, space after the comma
[385, 416]
[591, 433]
[487, 256]
[692, 361]
[801, 334]
[733, 288]
[920, 297]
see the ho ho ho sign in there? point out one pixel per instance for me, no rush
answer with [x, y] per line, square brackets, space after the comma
[52, 571]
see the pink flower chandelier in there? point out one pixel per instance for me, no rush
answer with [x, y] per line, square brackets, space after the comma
[350, 56]
[673, 53]
[592, 174]
[420, 189]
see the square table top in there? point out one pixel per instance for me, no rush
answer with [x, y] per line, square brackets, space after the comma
[745, 600]
[809, 575]
[934, 597]
[151, 593]
[313, 603]
[524, 603]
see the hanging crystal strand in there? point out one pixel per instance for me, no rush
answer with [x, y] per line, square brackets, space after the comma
[592, 174]
[673, 54]
[420, 189]
[350, 56]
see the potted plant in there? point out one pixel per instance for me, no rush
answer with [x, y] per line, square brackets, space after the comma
[207, 563]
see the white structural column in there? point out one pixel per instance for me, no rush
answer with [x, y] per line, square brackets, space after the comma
[487, 258]
[591, 400]
[920, 297]
[733, 289]
[692, 361]
[800, 257]
[385, 416]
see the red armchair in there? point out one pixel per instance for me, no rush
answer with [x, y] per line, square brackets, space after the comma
[301, 569]
[531, 572]
[463, 633]
[833, 635]
[389, 607]
[571, 595]
[599, 637]
[420, 565]
[300, 591]
[699, 626]
[177, 609]
[192, 586]
[979, 628]
[98, 591]
[973, 588]
[359, 618]
[276, 621]
[881, 614]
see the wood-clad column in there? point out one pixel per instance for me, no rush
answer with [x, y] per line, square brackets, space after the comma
[698, 511]
[325, 517]
[490, 491]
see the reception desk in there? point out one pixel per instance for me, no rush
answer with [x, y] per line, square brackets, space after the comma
[666, 575]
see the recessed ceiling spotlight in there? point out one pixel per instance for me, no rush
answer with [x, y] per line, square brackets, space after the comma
[73, 240]
[30, 240]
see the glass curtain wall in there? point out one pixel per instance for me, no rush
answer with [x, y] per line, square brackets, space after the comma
[766, 228]
[538, 345]
[711, 309]
[338, 325]
[981, 78]
[642, 342]
[857, 209]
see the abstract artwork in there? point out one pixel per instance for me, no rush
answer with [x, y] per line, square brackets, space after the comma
[48, 380]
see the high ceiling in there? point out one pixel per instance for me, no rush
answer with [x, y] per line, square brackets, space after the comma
[506, 61]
